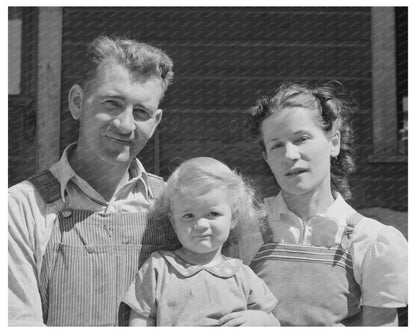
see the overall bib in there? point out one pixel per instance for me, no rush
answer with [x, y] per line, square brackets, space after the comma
[314, 285]
[92, 258]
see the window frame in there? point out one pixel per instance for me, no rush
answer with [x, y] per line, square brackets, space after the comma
[384, 87]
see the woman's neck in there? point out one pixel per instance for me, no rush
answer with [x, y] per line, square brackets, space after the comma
[309, 204]
[209, 259]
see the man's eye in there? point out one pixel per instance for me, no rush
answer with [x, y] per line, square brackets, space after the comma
[141, 113]
[112, 103]
[187, 216]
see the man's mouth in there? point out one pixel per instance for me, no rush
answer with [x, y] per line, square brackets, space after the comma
[296, 171]
[120, 140]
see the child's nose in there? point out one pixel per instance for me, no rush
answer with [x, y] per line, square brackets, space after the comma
[202, 223]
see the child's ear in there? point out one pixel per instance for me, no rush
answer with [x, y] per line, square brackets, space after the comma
[233, 223]
[171, 220]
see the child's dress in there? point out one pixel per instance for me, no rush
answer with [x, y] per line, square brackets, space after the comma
[323, 270]
[177, 293]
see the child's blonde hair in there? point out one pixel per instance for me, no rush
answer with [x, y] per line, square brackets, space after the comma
[202, 174]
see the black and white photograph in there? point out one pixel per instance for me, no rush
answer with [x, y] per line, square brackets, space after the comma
[208, 165]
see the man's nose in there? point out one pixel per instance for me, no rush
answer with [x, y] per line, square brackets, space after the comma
[125, 121]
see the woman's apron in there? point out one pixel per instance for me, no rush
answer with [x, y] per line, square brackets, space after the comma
[315, 286]
[92, 258]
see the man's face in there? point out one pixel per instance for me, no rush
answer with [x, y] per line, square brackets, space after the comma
[119, 114]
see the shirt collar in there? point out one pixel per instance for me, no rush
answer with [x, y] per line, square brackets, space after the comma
[339, 210]
[65, 172]
[227, 268]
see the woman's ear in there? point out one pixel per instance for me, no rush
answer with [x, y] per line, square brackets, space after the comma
[75, 98]
[335, 143]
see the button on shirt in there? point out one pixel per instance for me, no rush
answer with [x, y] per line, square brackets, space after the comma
[31, 223]
[379, 252]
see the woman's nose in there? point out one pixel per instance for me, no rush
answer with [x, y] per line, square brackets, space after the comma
[291, 151]
[125, 122]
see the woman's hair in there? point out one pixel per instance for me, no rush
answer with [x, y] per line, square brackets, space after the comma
[199, 175]
[142, 59]
[332, 108]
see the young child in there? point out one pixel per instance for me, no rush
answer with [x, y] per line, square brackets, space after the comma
[197, 285]
[343, 268]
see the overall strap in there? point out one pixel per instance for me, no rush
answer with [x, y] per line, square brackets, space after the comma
[352, 221]
[47, 185]
[156, 185]
[266, 230]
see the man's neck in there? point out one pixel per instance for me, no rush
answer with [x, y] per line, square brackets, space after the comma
[106, 178]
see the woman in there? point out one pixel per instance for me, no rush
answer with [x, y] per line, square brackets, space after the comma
[327, 264]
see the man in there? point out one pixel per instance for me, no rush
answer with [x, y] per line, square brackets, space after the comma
[79, 231]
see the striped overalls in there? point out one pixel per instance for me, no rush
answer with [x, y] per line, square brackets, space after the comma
[314, 285]
[92, 258]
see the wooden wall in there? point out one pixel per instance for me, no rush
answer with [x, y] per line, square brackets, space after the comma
[226, 58]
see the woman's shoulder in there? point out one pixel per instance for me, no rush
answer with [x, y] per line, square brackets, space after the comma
[373, 231]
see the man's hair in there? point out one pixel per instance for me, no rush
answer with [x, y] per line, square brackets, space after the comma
[331, 106]
[140, 58]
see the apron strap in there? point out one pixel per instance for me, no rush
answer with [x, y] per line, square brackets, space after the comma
[156, 185]
[47, 185]
[352, 221]
[266, 230]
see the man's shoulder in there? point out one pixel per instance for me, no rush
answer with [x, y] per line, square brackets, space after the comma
[21, 189]
[31, 188]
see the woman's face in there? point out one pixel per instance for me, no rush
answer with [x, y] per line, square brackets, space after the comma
[298, 151]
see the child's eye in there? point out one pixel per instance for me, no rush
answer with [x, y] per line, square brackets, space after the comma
[213, 214]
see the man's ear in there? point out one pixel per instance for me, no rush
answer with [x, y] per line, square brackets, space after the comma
[335, 142]
[158, 117]
[75, 98]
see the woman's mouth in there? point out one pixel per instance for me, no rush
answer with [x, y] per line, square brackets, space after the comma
[296, 171]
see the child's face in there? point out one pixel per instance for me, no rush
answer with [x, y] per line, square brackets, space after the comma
[202, 223]
[298, 151]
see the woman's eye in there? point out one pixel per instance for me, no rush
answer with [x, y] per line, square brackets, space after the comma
[187, 216]
[301, 139]
[276, 146]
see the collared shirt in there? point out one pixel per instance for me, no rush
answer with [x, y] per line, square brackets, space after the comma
[379, 252]
[174, 292]
[31, 222]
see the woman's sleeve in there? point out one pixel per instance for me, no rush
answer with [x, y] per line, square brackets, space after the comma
[141, 295]
[384, 270]
[259, 295]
